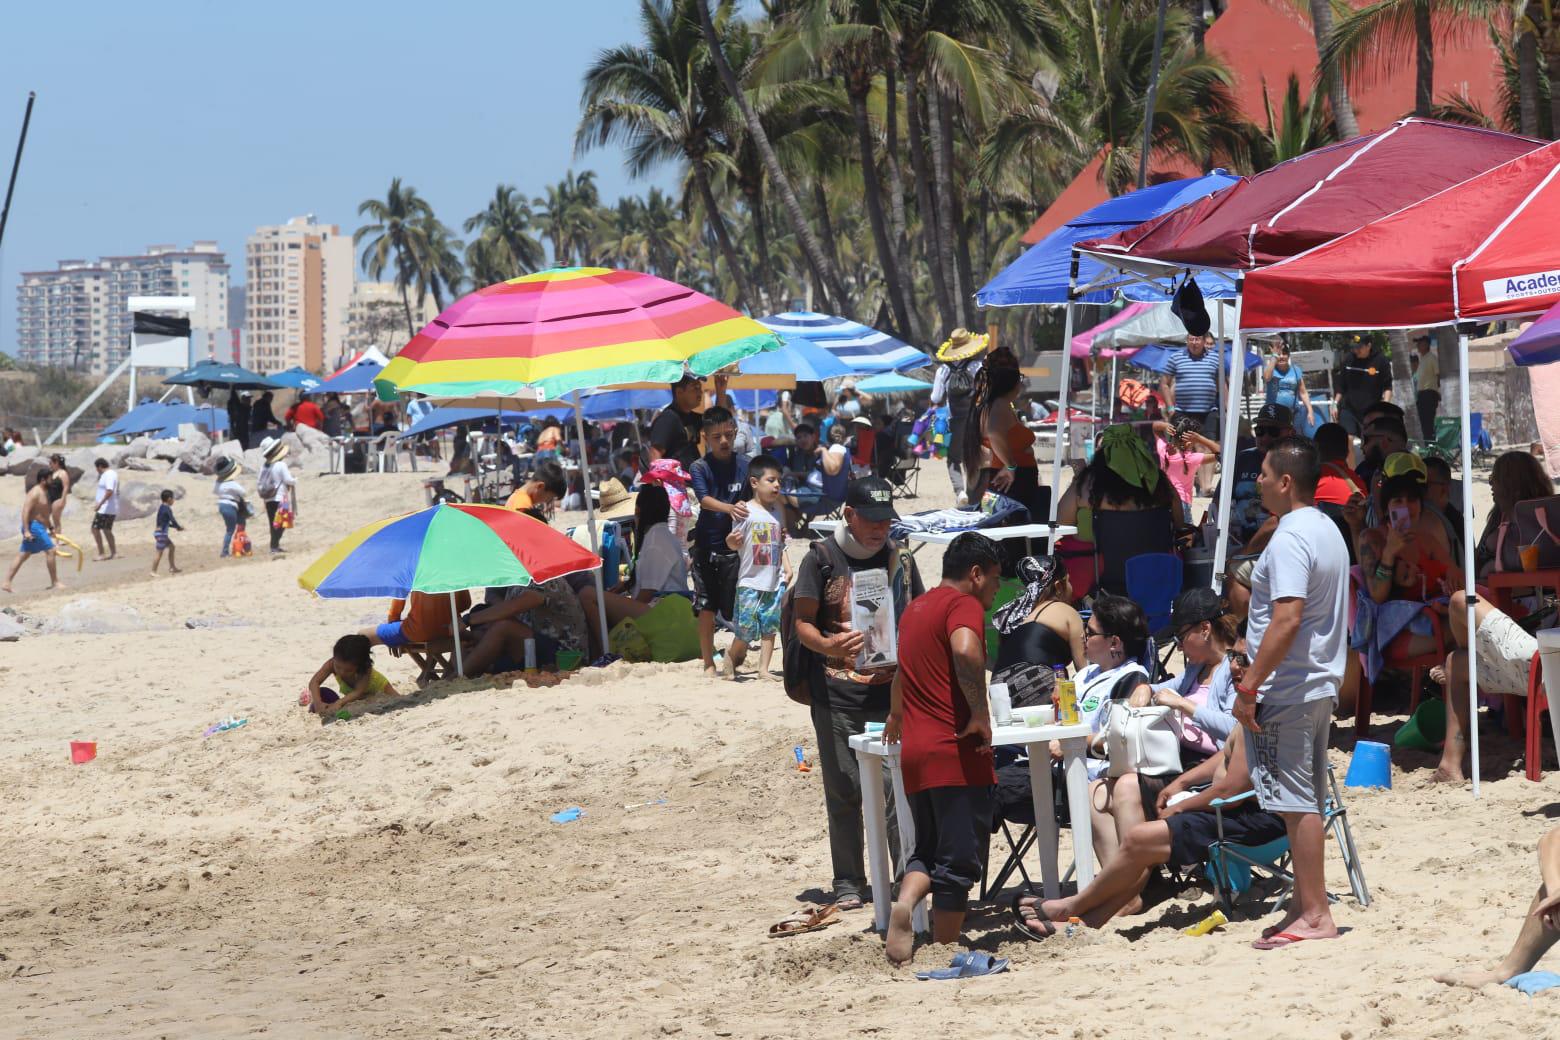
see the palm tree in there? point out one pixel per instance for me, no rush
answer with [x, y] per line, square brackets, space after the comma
[1337, 88]
[504, 247]
[396, 237]
[661, 101]
[1302, 127]
[571, 218]
[1371, 39]
[439, 270]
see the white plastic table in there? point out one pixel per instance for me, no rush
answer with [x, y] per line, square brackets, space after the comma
[1027, 532]
[871, 753]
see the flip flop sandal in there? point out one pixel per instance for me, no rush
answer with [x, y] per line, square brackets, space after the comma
[811, 919]
[1037, 931]
[967, 965]
[1279, 940]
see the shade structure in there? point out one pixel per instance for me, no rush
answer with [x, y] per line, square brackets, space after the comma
[443, 418]
[1539, 343]
[211, 374]
[163, 419]
[1041, 274]
[796, 356]
[1479, 250]
[1140, 324]
[296, 378]
[373, 354]
[358, 379]
[1312, 198]
[859, 346]
[567, 329]
[893, 383]
[445, 548]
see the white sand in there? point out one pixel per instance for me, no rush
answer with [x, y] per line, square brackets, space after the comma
[397, 875]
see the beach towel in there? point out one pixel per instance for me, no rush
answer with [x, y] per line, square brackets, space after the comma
[1377, 624]
[1004, 510]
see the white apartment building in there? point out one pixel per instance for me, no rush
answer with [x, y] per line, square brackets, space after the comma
[298, 286]
[376, 317]
[77, 316]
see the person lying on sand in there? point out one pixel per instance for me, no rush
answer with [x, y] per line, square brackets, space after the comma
[1181, 835]
[1540, 926]
[351, 664]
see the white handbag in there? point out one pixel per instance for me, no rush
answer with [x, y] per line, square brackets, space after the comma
[1143, 740]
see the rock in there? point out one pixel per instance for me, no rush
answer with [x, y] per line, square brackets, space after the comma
[10, 630]
[84, 459]
[310, 462]
[225, 450]
[167, 448]
[309, 437]
[136, 449]
[195, 441]
[252, 460]
[138, 500]
[136, 463]
[20, 460]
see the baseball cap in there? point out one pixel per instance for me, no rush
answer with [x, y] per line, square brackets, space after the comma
[872, 498]
[1276, 413]
[1195, 606]
[1404, 464]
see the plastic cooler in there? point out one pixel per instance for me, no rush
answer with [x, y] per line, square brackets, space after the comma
[1549, 658]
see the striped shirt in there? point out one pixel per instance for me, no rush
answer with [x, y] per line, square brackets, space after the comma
[1196, 381]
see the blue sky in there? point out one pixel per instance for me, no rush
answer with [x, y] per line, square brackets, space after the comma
[189, 120]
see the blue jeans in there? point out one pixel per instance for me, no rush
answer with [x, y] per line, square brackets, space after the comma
[229, 517]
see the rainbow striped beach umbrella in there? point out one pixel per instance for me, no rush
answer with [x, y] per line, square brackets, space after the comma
[548, 334]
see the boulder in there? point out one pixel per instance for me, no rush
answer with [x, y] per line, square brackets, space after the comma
[166, 448]
[310, 462]
[141, 464]
[85, 460]
[309, 438]
[225, 450]
[138, 500]
[252, 460]
[21, 460]
[195, 441]
[136, 449]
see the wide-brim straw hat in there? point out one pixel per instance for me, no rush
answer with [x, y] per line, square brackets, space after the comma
[962, 344]
[273, 448]
[616, 500]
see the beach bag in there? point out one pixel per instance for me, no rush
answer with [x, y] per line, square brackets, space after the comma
[626, 641]
[283, 520]
[670, 628]
[801, 668]
[268, 484]
[1143, 740]
[241, 546]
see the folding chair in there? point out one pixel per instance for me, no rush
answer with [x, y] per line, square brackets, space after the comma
[1153, 580]
[1120, 535]
[904, 476]
[1020, 847]
[436, 660]
[1229, 865]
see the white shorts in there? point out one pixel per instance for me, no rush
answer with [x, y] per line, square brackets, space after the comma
[1505, 654]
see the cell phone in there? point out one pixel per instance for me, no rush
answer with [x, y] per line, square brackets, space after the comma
[1400, 518]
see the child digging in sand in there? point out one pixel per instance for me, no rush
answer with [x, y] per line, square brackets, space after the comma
[760, 539]
[351, 664]
[160, 537]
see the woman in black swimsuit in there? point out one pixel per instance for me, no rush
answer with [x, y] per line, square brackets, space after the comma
[58, 479]
[1040, 630]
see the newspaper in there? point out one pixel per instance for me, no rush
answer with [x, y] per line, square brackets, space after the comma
[872, 614]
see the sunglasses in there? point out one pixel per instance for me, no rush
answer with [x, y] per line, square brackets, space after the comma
[1269, 431]
[1238, 658]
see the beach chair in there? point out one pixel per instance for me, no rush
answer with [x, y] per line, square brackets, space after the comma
[1229, 866]
[1153, 581]
[435, 660]
[1120, 535]
[1416, 666]
[904, 475]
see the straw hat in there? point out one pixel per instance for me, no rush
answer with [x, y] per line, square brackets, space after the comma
[273, 449]
[961, 345]
[226, 467]
[616, 501]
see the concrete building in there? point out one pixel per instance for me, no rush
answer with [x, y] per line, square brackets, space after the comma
[376, 317]
[298, 285]
[77, 316]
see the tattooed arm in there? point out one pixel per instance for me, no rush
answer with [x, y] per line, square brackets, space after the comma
[969, 667]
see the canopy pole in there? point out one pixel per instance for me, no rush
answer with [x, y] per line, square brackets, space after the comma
[460, 663]
[590, 520]
[1231, 433]
[1468, 566]
[1110, 391]
[1061, 404]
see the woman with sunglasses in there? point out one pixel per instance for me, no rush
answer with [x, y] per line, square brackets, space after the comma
[1040, 631]
[1205, 694]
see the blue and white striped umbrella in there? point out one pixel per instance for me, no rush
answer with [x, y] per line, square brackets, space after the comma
[862, 347]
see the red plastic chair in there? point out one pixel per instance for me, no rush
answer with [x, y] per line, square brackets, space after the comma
[1537, 704]
[1417, 666]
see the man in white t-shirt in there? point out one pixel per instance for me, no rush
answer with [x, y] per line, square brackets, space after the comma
[760, 539]
[1298, 632]
[105, 510]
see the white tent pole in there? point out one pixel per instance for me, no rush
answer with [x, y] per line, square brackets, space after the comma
[1468, 566]
[1110, 392]
[460, 664]
[1061, 404]
[590, 520]
[1227, 445]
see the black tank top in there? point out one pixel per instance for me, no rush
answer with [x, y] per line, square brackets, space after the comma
[1033, 643]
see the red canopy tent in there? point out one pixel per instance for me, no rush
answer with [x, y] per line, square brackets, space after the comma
[1485, 248]
[1311, 199]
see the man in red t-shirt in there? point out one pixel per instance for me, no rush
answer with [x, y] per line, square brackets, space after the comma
[1338, 482]
[307, 413]
[940, 714]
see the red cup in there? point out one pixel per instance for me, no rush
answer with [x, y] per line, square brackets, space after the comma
[82, 751]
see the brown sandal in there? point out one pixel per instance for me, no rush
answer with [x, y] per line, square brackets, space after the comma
[808, 919]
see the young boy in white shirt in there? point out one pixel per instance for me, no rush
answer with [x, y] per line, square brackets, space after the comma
[760, 538]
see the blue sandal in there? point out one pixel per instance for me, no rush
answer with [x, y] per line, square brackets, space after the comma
[968, 965]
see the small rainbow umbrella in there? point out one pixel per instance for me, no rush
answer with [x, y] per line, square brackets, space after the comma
[446, 548]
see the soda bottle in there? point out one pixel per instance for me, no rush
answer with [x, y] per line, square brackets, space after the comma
[1065, 697]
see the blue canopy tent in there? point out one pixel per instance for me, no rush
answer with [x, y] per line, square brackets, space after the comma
[210, 374]
[162, 419]
[859, 346]
[1041, 275]
[359, 379]
[297, 378]
[131, 420]
[443, 418]
[893, 383]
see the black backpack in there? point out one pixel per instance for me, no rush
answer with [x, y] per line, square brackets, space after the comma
[800, 667]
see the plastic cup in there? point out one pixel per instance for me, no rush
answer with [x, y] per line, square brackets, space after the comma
[1529, 555]
[1043, 715]
[569, 660]
[82, 751]
[1371, 766]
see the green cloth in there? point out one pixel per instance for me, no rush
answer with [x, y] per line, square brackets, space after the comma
[1129, 458]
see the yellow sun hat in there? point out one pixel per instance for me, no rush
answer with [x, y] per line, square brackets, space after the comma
[962, 344]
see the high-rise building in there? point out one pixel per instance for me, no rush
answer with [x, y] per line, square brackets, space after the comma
[376, 317]
[78, 316]
[298, 286]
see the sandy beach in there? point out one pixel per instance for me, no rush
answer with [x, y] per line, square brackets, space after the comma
[397, 875]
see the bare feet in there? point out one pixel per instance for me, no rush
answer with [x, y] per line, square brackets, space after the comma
[1473, 978]
[1445, 775]
[175, 570]
[900, 942]
[6, 587]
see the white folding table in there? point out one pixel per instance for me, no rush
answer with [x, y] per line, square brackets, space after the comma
[871, 753]
[1028, 532]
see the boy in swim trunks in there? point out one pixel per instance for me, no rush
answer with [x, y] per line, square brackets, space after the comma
[36, 530]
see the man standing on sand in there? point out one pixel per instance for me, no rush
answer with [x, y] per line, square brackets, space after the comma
[35, 535]
[1427, 385]
[1298, 632]
[105, 510]
[938, 708]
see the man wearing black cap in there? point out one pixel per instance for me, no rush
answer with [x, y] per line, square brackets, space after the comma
[1427, 386]
[675, 432]
[845, 693]
[1364, 378]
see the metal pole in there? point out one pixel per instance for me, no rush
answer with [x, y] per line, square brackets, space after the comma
[1061, 403]
[1153, 93]
[590, 520]
[1227, 446]
[16, 164]
[460, 664]
[1468, 566]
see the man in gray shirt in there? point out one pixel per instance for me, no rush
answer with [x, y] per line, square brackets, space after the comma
[1298, 633]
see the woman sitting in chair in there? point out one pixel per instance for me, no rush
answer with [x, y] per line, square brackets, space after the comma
[1516, 477]
[1115, 640]
[1123, 478]
[1040, 632]
[660, 569]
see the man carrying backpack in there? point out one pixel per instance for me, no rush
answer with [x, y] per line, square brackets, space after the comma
[954, 386]
[845, 692]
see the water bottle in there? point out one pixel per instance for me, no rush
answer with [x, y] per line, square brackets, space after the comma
[1001, 704]
[530, 655]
